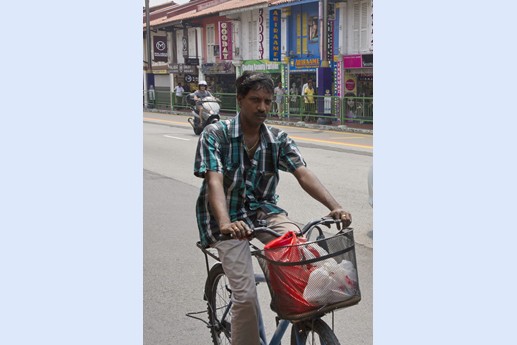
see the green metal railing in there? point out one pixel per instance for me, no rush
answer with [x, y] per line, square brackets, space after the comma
[322, 109]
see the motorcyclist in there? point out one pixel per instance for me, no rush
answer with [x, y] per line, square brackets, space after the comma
[199, 95]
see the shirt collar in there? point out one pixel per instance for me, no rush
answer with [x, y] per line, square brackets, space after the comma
[236, 130]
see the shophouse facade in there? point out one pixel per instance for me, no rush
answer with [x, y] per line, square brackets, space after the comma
[330, 42]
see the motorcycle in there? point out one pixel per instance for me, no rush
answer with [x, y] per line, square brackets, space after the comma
[209, 114]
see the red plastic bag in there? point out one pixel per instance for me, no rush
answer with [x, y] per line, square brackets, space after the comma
[288, 282]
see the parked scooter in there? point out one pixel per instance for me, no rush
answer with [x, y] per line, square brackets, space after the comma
[209, 114]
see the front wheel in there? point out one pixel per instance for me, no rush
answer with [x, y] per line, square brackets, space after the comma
[313, 332]
[218, 294]
[197, 126]
[197, 130]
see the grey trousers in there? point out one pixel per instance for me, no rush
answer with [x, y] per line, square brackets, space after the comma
[238, 266]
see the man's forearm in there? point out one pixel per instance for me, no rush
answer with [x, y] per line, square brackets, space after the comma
[217, 198]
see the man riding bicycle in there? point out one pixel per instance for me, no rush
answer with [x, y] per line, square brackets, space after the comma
[239, 160]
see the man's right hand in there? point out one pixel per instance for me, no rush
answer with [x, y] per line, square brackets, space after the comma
[239, 230]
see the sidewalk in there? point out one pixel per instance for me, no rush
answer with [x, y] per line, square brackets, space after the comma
[347, 127]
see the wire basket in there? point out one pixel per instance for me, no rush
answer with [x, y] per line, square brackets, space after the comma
[312, 278]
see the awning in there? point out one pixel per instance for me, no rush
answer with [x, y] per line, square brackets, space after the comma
[289, 3]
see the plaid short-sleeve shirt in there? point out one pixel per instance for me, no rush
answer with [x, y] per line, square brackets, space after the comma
[249, 184]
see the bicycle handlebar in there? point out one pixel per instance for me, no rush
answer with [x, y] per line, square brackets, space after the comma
[327, 221]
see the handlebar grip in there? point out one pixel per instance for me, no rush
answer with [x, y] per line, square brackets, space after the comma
[223, 237]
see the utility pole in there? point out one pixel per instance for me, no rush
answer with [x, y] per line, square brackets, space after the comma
[324, 33]
[325, 77]
[148, 38]
[149, 60]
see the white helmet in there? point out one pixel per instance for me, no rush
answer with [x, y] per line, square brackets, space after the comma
[202, 82]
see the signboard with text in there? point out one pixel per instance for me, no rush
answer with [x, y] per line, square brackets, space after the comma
[225, 41]
[274, 35]
[304, 65]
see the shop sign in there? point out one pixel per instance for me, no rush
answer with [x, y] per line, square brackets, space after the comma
[182, 68]
[304, 65]
[350, 84]
[218, 68]
[367, 60]
[274, 34]
[261, 65]
[336, 67]
[261, 33]
[358, 61]
[225, 40]
[160, 70]
[192, 61]
[330, 40]
[353, 61]
[160, 48]
[189, 78]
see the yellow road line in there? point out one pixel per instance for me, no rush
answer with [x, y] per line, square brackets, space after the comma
[331, 142]
[166, 121]
[317, 129]
[345, 137]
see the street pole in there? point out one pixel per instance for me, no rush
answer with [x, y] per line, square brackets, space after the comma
[324, 33]
[149, 61]
[148, 37]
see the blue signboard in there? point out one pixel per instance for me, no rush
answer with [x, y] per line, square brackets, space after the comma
[275, 25]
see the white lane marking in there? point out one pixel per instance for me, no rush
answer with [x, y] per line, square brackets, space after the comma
[170, 136]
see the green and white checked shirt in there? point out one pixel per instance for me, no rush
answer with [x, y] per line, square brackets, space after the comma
[249, 184]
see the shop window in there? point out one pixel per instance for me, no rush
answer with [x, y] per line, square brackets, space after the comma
[302, 29]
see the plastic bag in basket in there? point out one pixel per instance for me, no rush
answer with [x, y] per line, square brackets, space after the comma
[331, 283]
[289, 282]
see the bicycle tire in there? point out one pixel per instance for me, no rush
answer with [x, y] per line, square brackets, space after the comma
[307, 330]
[218, 293]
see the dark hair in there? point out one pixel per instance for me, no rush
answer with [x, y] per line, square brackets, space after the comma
[253, 81]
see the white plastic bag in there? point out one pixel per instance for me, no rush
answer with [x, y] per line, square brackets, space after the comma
[331, 283]
[313, 251]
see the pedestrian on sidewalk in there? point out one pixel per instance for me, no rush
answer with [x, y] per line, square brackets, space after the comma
[279, 99]
[179, 95]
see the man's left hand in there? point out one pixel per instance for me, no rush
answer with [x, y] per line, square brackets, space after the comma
[344, 216]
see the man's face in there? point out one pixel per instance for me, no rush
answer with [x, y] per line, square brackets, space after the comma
[255, 106]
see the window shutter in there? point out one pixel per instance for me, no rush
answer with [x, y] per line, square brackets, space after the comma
[192, 42]
[364, 26]
[356, 27]
[253, 35]
[210, 40]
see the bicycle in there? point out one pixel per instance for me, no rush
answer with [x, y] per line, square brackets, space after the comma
[339, 248]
